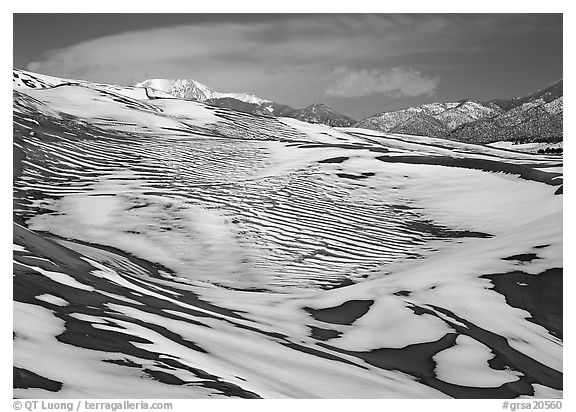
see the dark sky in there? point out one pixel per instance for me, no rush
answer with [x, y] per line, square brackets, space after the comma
[360, 64]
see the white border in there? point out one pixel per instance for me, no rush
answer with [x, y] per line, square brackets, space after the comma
[420, 6]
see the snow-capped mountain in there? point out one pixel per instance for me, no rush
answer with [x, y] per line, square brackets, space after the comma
[534, 121]
[321, 113]
[246, 102]
[535, 117]
[466, 112]
[193, 90]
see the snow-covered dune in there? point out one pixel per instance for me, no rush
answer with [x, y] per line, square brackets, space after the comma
[167, 248]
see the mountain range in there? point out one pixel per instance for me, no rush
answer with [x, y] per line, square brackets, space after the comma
[246, 102]
[536, 117]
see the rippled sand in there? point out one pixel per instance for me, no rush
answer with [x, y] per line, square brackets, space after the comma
[165, 248]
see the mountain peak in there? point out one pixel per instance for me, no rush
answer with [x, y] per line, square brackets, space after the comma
[192, 89]
[322, 113]
[246, 102]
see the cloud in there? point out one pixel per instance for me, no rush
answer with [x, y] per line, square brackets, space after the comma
[286, 59]
[291, 58]
[398, 81]
[239, 56]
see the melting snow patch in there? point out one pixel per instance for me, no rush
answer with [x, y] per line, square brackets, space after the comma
[466, 364]
[55, 300]
[374, 329]
[60, 278]
[18, 248]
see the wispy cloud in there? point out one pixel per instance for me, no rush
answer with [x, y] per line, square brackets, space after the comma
[279, 59]
[292, 59]
[399, 81]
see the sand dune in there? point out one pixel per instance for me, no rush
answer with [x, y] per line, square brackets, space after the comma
[165, 248]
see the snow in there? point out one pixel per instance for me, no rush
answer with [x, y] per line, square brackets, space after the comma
[454, 365]
[72, 100]
[55, 300]
[254, 356]
[199, 244]
[449, 200]
[39, 80]
[390, 324]
[245, 97]
[230, 215]
[423, 144]
[191, 89]
[164, 85]
[190, 112]
[544, 392]
[556, 106]
[526, 147]
[319, 133]
[18, 248]
[60, 278]
[82, 372]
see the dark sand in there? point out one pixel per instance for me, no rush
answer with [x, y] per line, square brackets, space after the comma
[344, 314]
[28, 284]
[540, 295]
